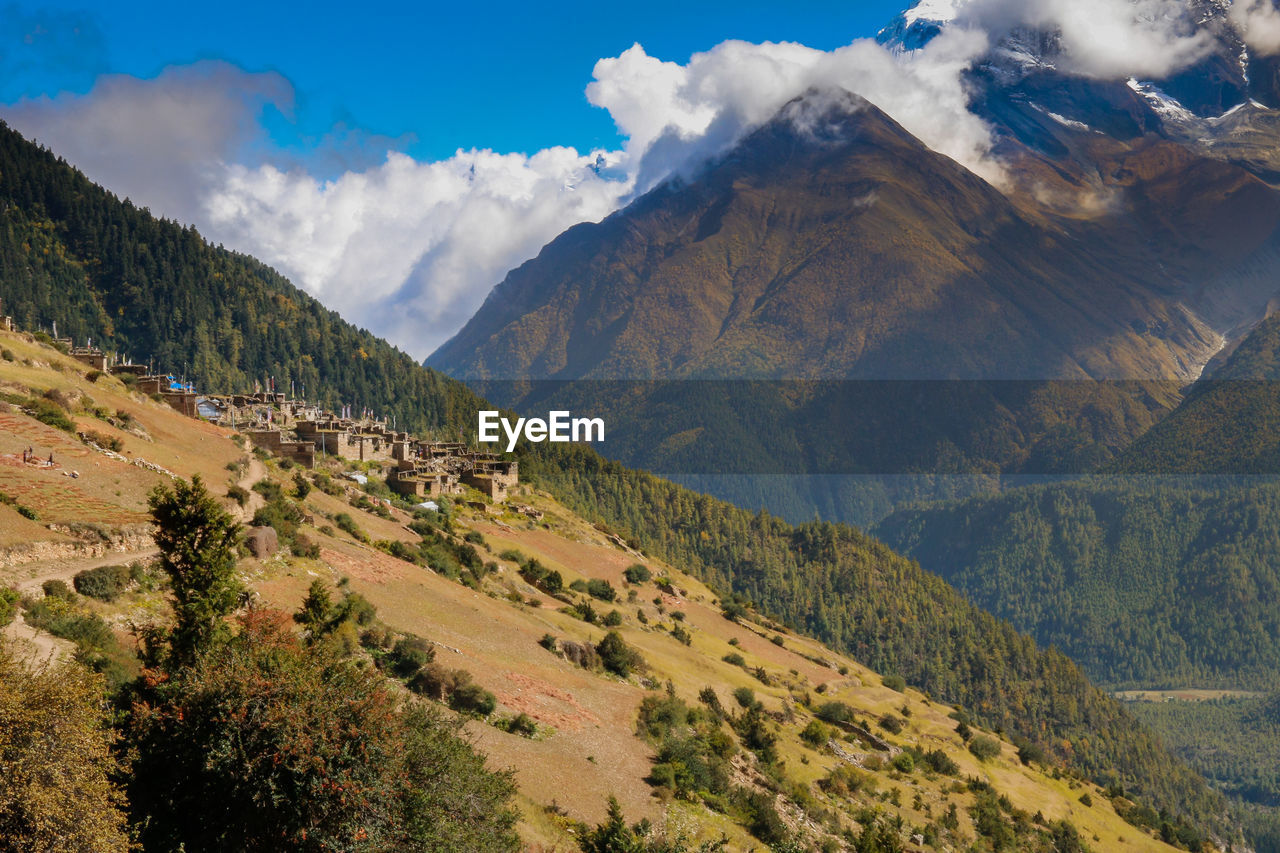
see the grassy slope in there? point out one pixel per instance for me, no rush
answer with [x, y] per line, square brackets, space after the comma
[588, 746]
[107, 491]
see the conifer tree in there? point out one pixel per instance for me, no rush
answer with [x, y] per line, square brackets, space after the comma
[197, 539]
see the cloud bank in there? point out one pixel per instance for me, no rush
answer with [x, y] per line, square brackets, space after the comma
[1109, 39]
[1259, 24]
[409, 249]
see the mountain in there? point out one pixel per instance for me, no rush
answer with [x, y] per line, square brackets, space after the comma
[124, 277]
[849, 259]
[1131, 241]
[855, 252]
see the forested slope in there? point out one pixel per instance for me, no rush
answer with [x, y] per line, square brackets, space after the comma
[1142, 581]
[101, 268]
[1229, 422]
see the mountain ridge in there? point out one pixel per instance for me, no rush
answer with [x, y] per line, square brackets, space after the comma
[909, 244]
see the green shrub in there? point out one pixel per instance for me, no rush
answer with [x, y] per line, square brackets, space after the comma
[637, 573]
[348, 525]
[894, 682]
[522, 724]
[735, 659]
[473, 699]
[535, 574]
[24, 511]
[50, 413]
[612, 619]
[984, 747]
[763, 821]
[411, 654]
[601, 589]
[1029, 752]
[582, 610]
[745, 696]
[8, 604]
[892, 724]
[60, 617]
[903, 762]
[816, 733]
[939, 762]
[834, 712]
[548, 642]
[104, 583]
[439, 682]
[616, 656]
[109, 442]
[238, 494]
[57, 589]
[356, 608]
[399, 550]
[304, 547]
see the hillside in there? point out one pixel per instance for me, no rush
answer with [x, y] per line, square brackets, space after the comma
[102, 269]
[1144, 582]
[1229, 422]
[901, 758]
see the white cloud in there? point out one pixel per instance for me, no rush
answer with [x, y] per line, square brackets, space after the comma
[1259, 24]
[410, 249]
[162, 141]
[1109, 39]
[675, 115]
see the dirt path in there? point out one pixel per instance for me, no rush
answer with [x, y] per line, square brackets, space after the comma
[253, 473]
[40, 645]
[29, 577]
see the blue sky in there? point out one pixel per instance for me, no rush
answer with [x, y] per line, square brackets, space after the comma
[430, 77]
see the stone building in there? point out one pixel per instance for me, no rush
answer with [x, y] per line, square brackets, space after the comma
[273, 440]
[92, 356]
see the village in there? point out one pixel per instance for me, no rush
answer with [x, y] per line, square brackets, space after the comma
[307, 435]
